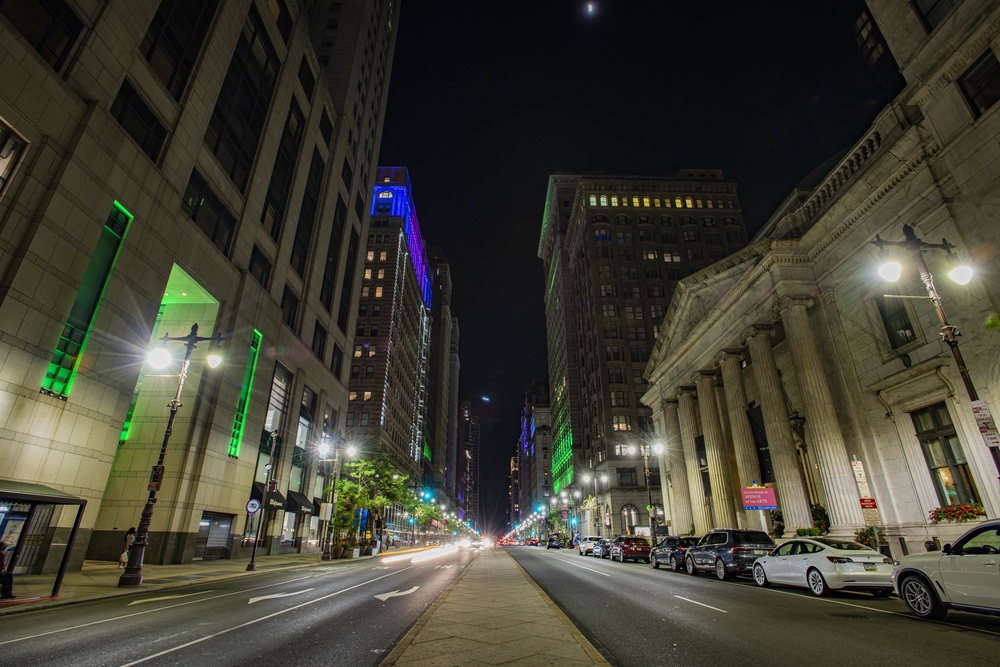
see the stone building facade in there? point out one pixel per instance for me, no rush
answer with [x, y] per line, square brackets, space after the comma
[166, 164]
[794, 365]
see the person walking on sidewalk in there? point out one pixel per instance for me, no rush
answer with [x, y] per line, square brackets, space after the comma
[6, 577]
[129, 539]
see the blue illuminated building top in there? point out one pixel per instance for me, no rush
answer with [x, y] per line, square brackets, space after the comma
[393, 197]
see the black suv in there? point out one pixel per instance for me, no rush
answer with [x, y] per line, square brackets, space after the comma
[670, 552]
[727, 552]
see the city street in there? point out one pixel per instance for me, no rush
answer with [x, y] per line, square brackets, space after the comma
[636, 615]
[349, 614]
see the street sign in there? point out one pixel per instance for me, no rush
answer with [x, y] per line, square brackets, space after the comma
[759, 498]
[985, 422]
[155, 479]
[868, 504]
[253, 505]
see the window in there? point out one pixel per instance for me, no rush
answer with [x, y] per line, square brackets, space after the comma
[347, 176]
[645, 202]
[604, 200]
[616, 375]
[981, 83]
[602, 234]
[632, 292]
[609, 310]
[364, 419]
[620, 423]
[306, 78]
[349, 419]
[640, 354]
[688, 202]
[651, 272]
[11, 148]
[689, 236]
[614, 200]
[319, 341]
[607, 290]
[657, 310]
[593, 200]
[366, 396]
[279, 10]
[646, 235]
[174, 39]
[671, 256]
[259, 267]
[605, 271]
[637, 333]
[945, 459]
[49, 25]
[378, 292]
[337, 362]
[205, 209]
[347, 281]
[612, 331]
[896, 321]
[650, 253]
[352, 395]
[276, 198]
[637, 376]
[240, 110]
[333, 254]
[624, 238]
[635, 201]
[619, 399]
[655, 290]
[326, 128]
[376, 310]
[626, 255]
[370, 349]
[694, 253]
[713, 238]
[604, 252]
[932, 12]
[734, 237]
[289, 307]
[622, 220]
[307, 214]
[678, 202]
[629, 273]
[357, 350]
[614, 353]
[710, 222]
[633, 312]
[369, 372]
[139, 121]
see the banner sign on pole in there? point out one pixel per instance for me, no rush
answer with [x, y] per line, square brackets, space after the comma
[759, 498]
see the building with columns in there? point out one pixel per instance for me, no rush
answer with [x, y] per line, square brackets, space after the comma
[613, 248]
[793, 364]
[165, 164]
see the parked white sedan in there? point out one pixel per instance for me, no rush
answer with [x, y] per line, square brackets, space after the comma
[823, 564]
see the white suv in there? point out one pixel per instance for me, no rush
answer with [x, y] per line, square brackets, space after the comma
[964, 575]
[587, 544]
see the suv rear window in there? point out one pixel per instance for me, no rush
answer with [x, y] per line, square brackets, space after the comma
[751, 537]
[635, 540]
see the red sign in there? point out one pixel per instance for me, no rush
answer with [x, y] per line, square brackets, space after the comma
[759, 498]
[868, 504]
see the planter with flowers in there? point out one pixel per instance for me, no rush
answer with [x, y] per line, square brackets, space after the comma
[957, 513]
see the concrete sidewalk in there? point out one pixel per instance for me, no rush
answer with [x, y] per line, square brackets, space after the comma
[494, 614]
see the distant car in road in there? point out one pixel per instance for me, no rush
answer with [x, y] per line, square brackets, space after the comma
[629, 547]
[670, 552]
[602, 549]
[532, 543]
[553, 543]
[822, 564]
[963, 575]
[727, 552]
[586, 545]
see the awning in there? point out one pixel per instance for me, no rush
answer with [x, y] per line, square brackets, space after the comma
[275, 501]
[299, 503]
[36, 493]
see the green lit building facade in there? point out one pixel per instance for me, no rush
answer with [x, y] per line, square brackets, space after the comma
[213, 166]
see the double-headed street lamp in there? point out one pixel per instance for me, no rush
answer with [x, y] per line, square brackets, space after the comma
[324, 451]
[160, 358]
[960, 273]
[658, 449]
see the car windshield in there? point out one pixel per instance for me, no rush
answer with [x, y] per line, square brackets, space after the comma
[752, 537]
[689, 541]
[843, 545]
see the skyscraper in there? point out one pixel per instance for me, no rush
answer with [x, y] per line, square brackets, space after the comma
[613, 248]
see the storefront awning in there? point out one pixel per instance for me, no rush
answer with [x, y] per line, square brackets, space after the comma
[298, 503]
[36, 493]
[275, 501]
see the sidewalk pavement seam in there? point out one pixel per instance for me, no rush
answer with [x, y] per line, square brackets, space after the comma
[591, 650]
[408, 638]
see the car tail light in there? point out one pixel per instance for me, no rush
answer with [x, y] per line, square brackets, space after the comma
[839, 559]
[740, 550]
[887, 561]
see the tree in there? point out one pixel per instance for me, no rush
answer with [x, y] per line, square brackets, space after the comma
[369, 484]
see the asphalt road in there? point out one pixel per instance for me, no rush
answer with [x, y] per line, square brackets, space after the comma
[312, 616]
[636, 615]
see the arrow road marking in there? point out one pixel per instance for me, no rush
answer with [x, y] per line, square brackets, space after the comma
[701, 604]
[166, 597]
[277, 595]
[396, 594]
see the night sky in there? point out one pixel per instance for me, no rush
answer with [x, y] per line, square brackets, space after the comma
[486, 100]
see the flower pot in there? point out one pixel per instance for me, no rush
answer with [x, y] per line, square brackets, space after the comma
[336, 552]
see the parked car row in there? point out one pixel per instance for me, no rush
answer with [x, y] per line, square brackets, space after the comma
[964, 575]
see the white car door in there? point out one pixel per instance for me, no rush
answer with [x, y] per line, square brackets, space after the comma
[798, 562]
[971, 573]
[776, 567]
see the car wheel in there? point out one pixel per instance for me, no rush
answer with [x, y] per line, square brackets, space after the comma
[817, 584]
[720, 570]
[621, 556]
[653, 562]
[882, 593]
[674, 565]
[920, 598]
[690, 566]
[760, 576]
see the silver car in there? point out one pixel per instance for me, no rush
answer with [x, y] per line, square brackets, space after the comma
[964, 575]
[587, 543]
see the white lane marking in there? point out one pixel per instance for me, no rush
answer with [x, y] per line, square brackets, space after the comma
[396, 594]
[443, 567]
[165, 597]
[153, 611]
[582, 567]
[701, 604]
[277, 595]
[262, 618]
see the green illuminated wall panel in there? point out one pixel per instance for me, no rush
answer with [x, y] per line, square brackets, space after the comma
[241, 408]
[73, 341]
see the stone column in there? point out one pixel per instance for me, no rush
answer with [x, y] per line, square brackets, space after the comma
[823, 433]
[696, 490]
[681, 518]
[715, 449]
[744, 447]
[792, 500]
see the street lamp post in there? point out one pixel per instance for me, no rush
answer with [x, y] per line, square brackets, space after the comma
[252, 565]
[597, 512]
[159, 358]
[324, 450]
[949, 332]
[649, 491]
